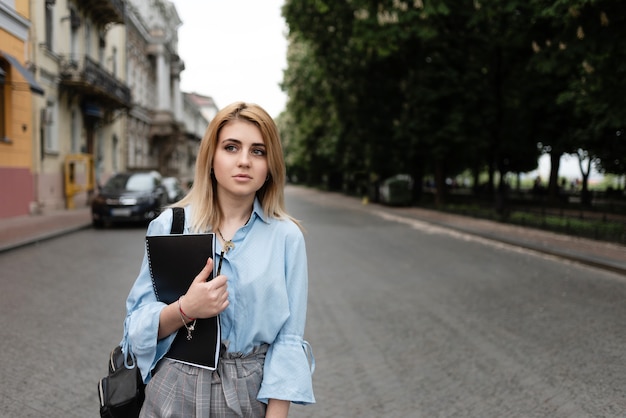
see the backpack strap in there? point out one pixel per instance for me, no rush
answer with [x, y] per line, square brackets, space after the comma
[178, 221]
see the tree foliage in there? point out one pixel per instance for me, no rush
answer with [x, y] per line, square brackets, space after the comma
[435, 87]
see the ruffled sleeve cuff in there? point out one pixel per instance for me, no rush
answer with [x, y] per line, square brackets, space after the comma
[287, 375]
[143, 328]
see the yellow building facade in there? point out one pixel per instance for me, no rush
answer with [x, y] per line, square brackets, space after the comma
[17, 124]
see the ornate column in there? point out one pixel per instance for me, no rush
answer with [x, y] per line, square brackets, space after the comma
[177, 67]
[163, 80]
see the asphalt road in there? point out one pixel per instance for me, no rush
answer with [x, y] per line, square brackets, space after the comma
[404, 320]
[407, 320]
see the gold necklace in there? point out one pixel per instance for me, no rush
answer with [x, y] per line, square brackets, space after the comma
[228, 244]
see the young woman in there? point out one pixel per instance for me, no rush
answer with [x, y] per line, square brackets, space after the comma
[260, 295]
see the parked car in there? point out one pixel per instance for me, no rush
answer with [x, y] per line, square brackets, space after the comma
[129, 197]
[174, 189]
[396, 190]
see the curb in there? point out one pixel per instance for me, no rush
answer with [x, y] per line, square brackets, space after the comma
[42, 237]
[544, 249]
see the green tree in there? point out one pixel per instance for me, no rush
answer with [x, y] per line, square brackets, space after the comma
[581, 51]
[380, 87]
[310, 128]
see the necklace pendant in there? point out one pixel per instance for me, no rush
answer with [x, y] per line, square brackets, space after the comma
[189, 336]
[228, 245]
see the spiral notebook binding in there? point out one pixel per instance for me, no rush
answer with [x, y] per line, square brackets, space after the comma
[151, 272]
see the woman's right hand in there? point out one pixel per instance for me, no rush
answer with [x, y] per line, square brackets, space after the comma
[206, 299]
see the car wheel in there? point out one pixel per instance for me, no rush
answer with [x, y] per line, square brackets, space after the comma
[98, 224]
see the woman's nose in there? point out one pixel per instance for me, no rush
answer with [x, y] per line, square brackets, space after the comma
[244, 159]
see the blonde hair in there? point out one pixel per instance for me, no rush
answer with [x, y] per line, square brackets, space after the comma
[206, 213]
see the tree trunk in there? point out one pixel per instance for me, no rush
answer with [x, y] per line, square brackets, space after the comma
[585, 193]
[440, 183]
[553, 183]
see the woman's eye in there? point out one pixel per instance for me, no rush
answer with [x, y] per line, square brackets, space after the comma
[230, 148]
[258, 151]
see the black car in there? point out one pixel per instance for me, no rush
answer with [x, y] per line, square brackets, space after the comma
[129, 197]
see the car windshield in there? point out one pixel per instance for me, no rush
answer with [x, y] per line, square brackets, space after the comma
[137, 182]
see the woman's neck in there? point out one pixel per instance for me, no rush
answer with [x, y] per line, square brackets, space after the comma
[234, 216]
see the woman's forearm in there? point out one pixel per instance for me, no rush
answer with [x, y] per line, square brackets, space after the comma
[169, 320]
[277, 408]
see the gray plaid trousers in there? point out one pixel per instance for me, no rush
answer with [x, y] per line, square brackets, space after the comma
[179, 390]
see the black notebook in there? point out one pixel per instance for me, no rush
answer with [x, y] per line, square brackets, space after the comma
[175, 260]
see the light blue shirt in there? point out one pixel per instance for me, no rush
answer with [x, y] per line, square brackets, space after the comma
[267, 287]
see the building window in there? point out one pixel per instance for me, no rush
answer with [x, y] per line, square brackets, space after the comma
[88, 46]
[75, 23]
[75, 132]
[102, 43]
[49, 116]
[114, 58]
[49, 24]
[99, 157]
[115, 154]
[3, 91]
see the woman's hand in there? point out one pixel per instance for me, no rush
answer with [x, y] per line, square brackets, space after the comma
[206, 299]
[203, 300]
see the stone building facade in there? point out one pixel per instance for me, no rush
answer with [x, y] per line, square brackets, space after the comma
[100, 95]
[79, 63]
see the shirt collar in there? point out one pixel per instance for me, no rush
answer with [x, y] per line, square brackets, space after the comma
[257, 210]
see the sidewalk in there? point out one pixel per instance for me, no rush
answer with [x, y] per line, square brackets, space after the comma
[24, 230]
[605, 255]
[18, 231]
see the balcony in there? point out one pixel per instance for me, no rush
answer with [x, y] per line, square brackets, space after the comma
[104, 11]
[85, 77]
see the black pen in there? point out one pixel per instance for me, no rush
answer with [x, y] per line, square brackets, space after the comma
[219, 266]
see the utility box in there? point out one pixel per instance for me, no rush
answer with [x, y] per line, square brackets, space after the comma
[78, 177]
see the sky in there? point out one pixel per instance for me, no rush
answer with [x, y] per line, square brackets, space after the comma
[233, 50]
[568, 168]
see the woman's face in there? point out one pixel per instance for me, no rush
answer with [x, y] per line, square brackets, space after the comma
[240, 161]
